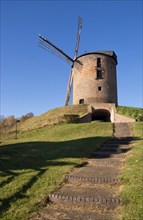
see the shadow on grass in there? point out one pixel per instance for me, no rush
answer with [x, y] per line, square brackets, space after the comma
[35, 155]
[38, 156]
[6, 203]
[19, 158]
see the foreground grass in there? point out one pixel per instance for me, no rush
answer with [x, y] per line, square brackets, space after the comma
[132, 179]
[35, 164]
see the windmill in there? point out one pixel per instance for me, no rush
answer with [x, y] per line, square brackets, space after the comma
[47, 45]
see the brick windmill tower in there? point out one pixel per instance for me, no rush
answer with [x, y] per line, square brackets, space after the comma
[95, 83]
[93, 79]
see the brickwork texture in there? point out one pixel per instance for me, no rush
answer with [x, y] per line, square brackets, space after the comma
[95, 82]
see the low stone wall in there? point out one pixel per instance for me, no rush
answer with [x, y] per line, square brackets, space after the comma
[114, 116]
[86, 118]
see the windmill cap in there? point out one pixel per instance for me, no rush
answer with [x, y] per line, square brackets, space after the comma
[109, 53]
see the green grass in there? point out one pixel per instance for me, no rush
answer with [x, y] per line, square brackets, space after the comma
[132, 179]
[133, 112]
[62, 115]
[52, 117]
[47, 119]
[35, 164]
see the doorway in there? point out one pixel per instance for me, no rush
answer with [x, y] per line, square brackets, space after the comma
[101, 115]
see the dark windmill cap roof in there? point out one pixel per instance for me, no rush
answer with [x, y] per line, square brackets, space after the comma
[109, 53]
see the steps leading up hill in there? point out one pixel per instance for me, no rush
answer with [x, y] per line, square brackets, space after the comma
[92, 192]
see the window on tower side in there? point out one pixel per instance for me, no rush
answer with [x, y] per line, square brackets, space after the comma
[99, 74]
[99, 69]
[98, 62]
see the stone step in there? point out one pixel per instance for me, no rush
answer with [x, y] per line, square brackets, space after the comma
[111, 147]
[107, 154]
[119, 142]
[122, 123]
[122, 130]
[121, 139]
[121, 134]
[86, 196]
[94, 175]
[117, 149]
[71, 212]
[108, 162]
[91, 180]
[122, 127]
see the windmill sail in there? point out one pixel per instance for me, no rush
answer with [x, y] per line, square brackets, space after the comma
[47, 45]
[75, 56]
[78, 37]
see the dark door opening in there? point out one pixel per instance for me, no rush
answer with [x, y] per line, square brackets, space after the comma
[101, 115]
[81, 101]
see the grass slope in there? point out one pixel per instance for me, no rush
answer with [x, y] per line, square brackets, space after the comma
[132, 179]
[53, 116]
[60, 116]
[47, 119]
[35, 164]
[133, 112]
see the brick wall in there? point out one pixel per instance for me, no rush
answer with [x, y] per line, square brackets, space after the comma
[86, 86]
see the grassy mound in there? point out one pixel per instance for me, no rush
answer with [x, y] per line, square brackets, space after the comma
[66, 114]
[55, 116]
[136, 113]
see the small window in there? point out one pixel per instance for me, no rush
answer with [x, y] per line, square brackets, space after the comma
[99, 88]
[99, 74]
[98, 62]
[81, 101]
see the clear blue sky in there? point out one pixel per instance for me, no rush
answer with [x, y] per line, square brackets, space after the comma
[34, 80]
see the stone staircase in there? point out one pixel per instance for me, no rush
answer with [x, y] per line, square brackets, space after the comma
[92, 192]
